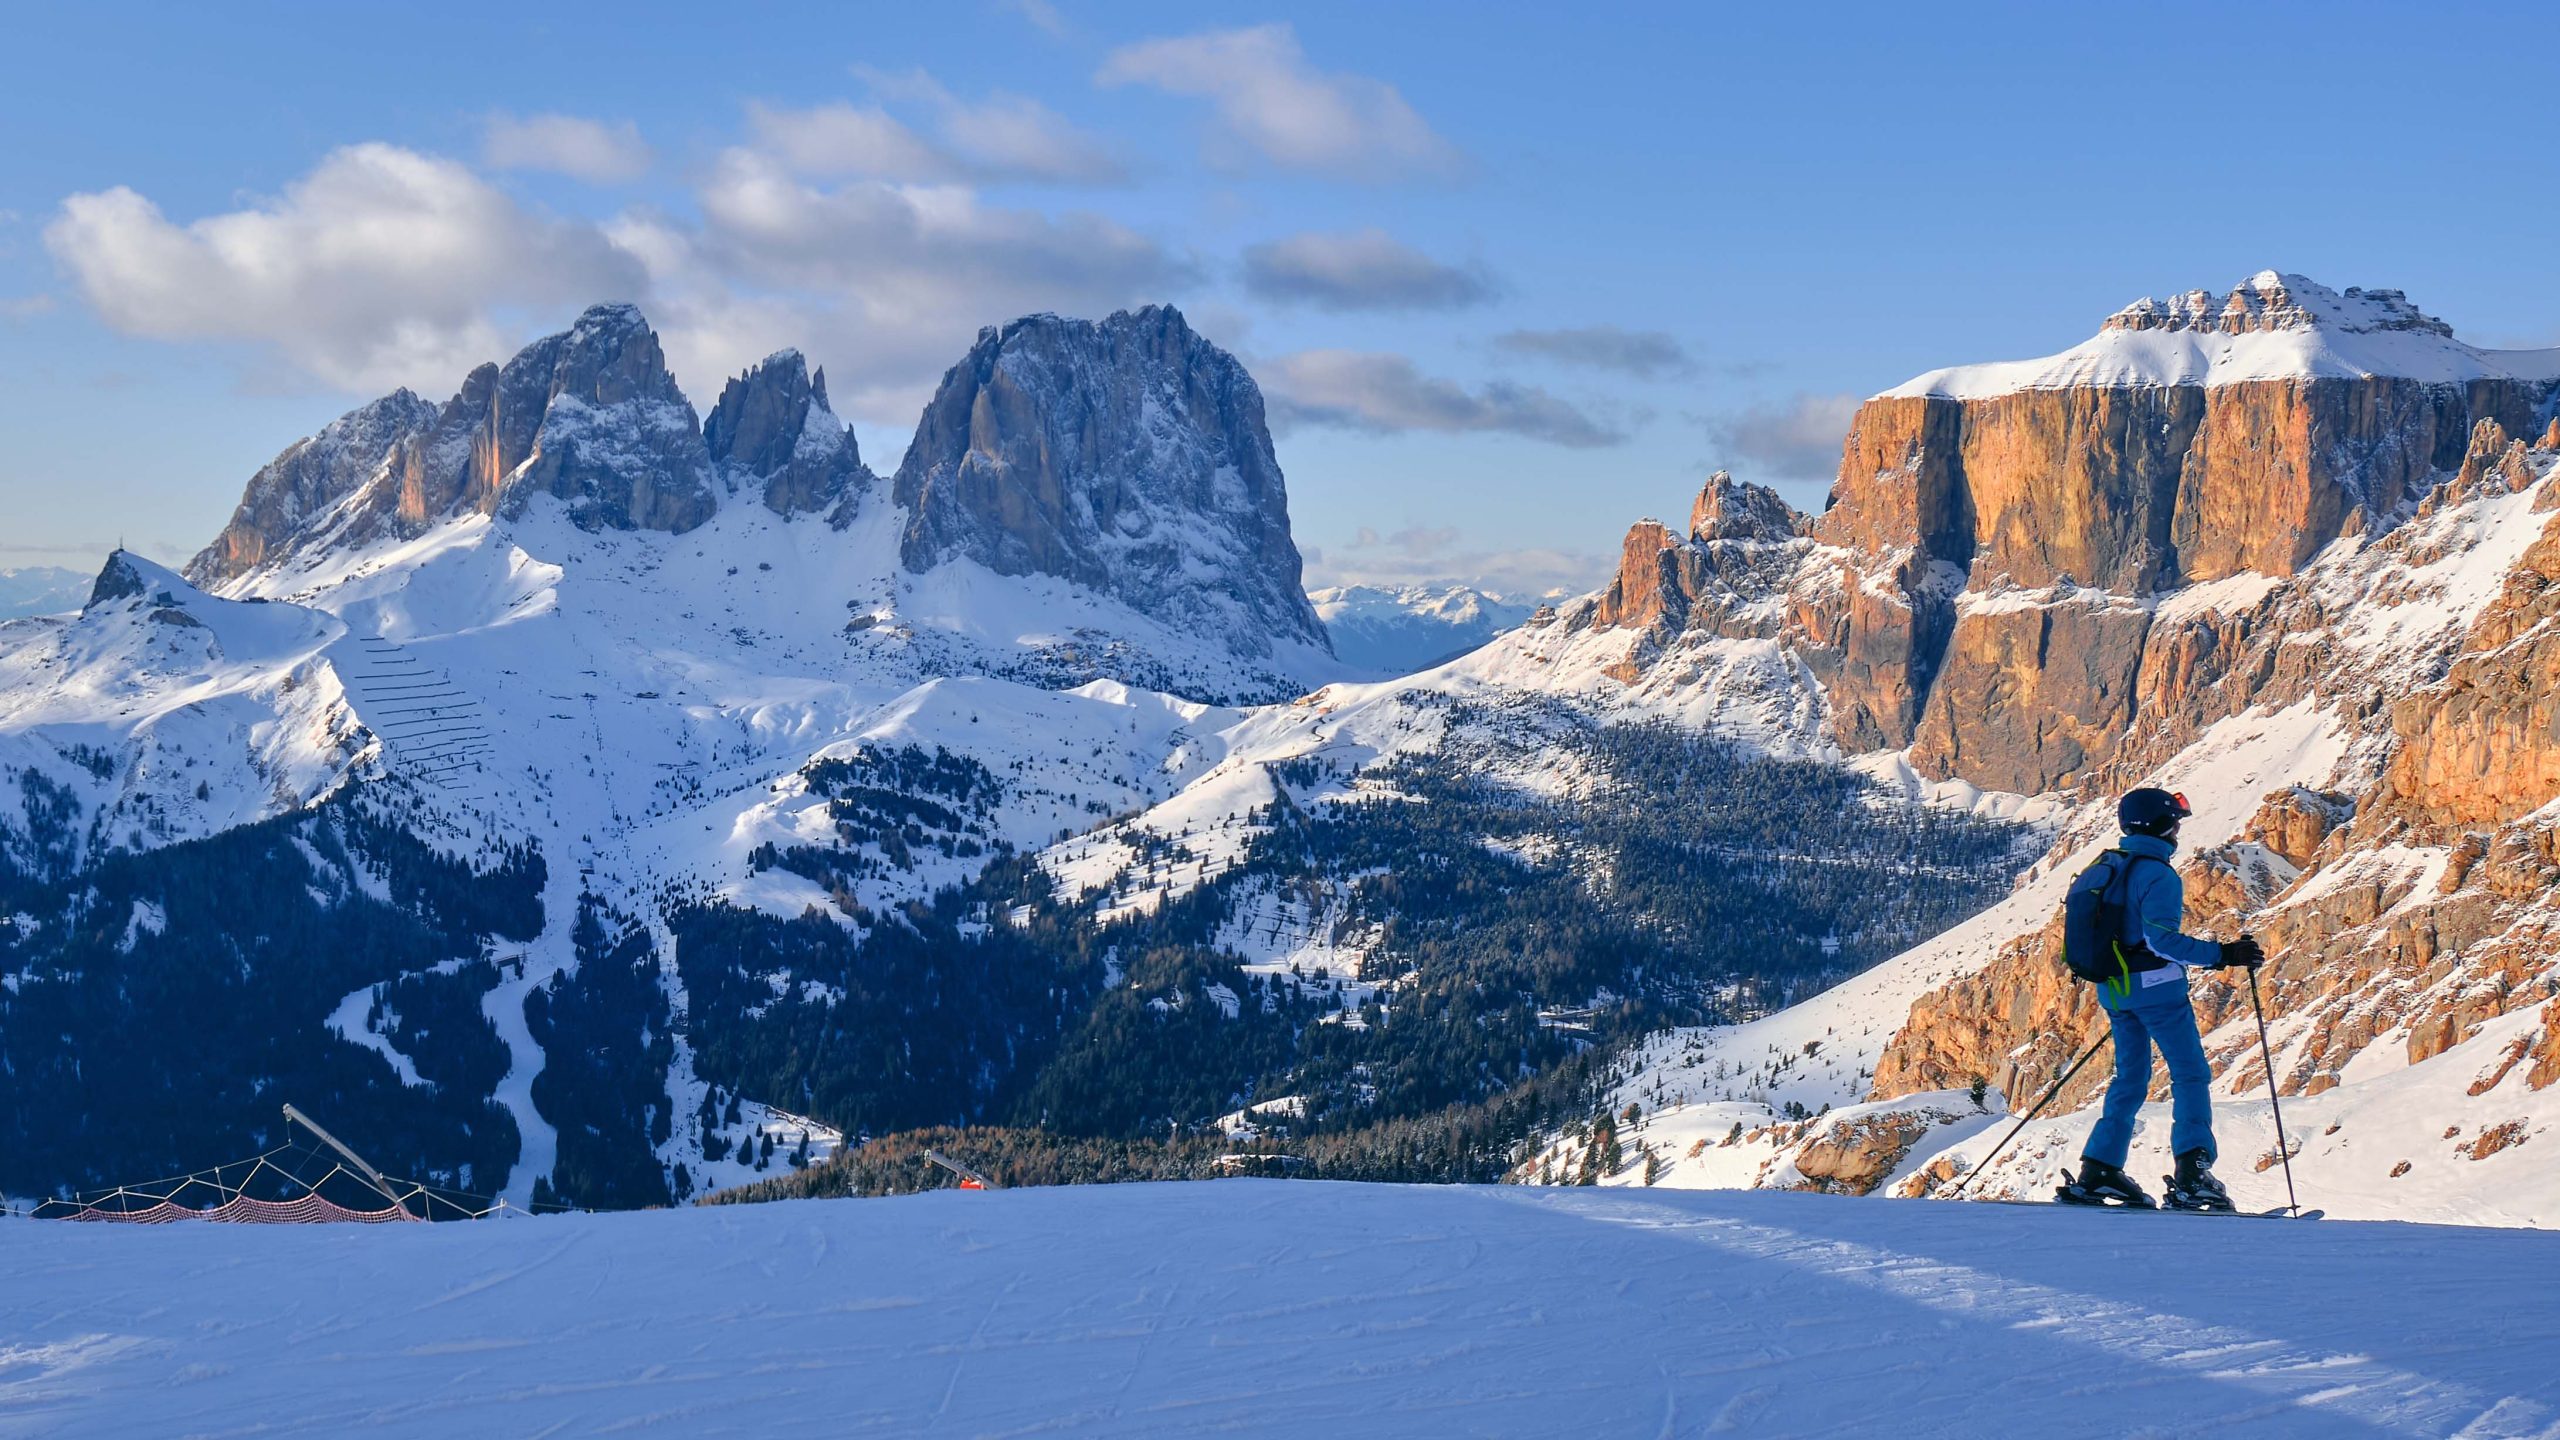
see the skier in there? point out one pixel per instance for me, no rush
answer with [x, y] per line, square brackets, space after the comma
[2146, 1004]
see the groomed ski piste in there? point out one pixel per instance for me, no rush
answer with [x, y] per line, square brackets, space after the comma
[1248, 1307]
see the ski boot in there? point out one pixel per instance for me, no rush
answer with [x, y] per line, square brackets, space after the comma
[2102, 1184]
[2194, 1188]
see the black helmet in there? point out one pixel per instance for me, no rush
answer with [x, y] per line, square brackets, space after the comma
[2151, 812]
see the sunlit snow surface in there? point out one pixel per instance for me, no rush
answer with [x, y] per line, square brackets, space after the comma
[1281, 1308]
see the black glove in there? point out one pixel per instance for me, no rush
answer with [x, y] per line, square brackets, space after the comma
[2243, 952]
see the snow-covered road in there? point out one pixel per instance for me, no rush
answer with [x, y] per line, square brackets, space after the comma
[1270, 1307]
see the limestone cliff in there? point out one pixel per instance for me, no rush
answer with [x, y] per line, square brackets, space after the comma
[1127, 455]
[2415, 916]
[1985, 585]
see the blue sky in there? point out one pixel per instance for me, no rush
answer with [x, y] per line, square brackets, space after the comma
[1512, 276]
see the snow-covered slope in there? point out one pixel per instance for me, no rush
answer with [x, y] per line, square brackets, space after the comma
[2272, 327]
[159, 713]
[1275, 1308]
[559, 616]
[1412, 627]
[2337, 776]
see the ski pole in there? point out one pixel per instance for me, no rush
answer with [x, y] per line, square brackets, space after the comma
[2267, 1052]
[2029, 1117]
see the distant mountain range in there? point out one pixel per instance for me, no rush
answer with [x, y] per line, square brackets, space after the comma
[40, 590]
[563, 790]
[1400, 629]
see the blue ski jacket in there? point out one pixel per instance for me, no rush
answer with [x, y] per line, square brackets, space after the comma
[2155, 901]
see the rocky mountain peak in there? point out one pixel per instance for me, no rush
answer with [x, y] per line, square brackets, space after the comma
[1737, 553]
[314, 473]
[590, 415]
[774, 431]
[602, 426]
[1730, 509]
[2270, 301]
[1128, 455]
[119, 579]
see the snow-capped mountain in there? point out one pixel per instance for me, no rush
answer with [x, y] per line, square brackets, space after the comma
[40, 590]
[2321, 603]
[1127, 456]
[1399, 630]
[557, 615]
[575, 784]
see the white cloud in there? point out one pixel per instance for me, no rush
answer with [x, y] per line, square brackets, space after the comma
[1272, 103]
[381, 267]
[570, 145]
[1795, 440]
[386, 267]
[1043, 15]
[1002, 137]
[838, 140]
[1360, 270]
[1645, 354]
[1010, 135]
[886, 284]
[1386, 394]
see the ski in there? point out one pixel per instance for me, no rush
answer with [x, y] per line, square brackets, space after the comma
[2278, 1213]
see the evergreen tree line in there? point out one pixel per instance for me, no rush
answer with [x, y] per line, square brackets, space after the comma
[167, 1004]
[606, 1045]
[1686, 880]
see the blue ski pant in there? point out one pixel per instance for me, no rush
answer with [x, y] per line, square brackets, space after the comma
[2172, 1027]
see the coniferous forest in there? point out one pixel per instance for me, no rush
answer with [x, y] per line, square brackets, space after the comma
[230, 954]
[1507, 943]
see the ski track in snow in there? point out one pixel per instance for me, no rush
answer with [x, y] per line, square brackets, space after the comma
[1270, 1307]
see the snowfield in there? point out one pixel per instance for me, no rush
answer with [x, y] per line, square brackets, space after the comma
[1285, 1308]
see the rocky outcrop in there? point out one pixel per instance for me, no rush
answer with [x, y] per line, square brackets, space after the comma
[1986, 584]
[1727, 509]
[2483, 747]
[2545, 1050]
[593, 419]
[774, 434]
[1129, 456]
[590, 417]
[2416, 917]
[1729, 574]
[1852, 1155]
[118, 579]
[294, 489]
